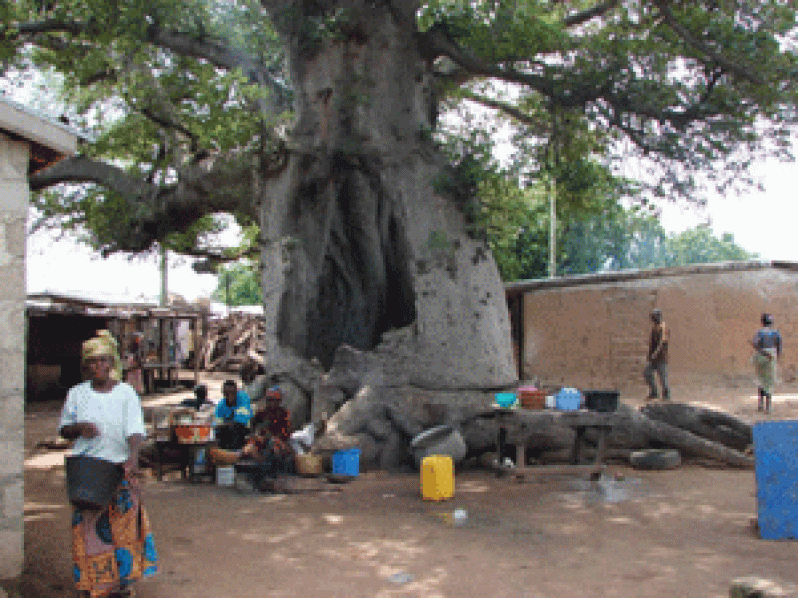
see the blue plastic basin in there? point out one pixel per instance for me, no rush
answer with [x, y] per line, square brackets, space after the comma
[505, 399]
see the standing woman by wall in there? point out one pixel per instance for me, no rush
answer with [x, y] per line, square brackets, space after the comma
[111, 547]
[767, 350]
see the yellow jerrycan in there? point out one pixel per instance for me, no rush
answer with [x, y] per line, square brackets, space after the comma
[437, 477]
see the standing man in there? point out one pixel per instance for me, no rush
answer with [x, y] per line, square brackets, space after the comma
[767, 350]
[658, 356]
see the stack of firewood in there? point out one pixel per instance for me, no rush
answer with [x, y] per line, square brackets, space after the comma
[231, 342]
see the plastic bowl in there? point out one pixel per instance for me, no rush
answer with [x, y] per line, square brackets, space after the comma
[505, 399]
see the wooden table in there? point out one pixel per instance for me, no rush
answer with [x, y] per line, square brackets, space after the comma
[580, 420]
[189, 451]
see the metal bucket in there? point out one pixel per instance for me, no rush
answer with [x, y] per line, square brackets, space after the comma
[440, 440]
[91, 482]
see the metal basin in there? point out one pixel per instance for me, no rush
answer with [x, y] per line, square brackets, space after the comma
[440, 440]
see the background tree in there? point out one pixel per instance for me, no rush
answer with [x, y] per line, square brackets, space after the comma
[321, 121]
[238, 284]
[700, 246]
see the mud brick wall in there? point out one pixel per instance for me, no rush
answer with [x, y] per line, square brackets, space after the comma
[13, 212]
[595, 335]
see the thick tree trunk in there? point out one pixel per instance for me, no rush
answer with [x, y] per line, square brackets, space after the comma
[371, 242]
[382, 411]
[707, 423]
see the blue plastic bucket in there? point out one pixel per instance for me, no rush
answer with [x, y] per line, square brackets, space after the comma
[568, 399]
[346, 462]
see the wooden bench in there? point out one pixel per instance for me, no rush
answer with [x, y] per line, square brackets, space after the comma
[580, 420]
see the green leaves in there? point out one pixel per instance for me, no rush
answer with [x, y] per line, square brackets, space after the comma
[585, 87]
[239, 284]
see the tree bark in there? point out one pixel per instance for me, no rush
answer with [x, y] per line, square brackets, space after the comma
[636, 430]
[707, 423]
[360, 238]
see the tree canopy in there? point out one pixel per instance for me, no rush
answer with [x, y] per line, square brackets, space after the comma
[191, 102]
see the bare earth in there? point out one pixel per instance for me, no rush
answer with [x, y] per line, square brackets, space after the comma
[685, 532]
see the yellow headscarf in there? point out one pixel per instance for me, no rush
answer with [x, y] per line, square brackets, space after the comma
[103, 345]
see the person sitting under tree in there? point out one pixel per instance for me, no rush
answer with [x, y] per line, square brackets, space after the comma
[233, 414]
[268, 448]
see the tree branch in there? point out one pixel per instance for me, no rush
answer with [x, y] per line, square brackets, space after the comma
[167, 123]
[688, 37]
[58, 26]
[506, 108]
[219, 55]
[213, 51]
[590, 13]
[222, 186]
[81, 169]
[439, 43]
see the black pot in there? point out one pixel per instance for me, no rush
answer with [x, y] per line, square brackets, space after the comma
[91, 482]
[601, 400]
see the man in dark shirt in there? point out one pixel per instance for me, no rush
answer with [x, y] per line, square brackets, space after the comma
[657, 356]
[232, 415]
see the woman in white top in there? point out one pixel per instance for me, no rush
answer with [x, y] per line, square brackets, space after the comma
[113, 547]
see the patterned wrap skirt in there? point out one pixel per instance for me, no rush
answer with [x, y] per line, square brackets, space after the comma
[114, 547]
[765, 367]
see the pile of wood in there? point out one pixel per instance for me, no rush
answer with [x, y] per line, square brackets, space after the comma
[232, 342]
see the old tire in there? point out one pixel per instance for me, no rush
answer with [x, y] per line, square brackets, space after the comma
[656, 459]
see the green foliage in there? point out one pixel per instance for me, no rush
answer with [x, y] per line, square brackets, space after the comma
[239, 284]
[678, 87]
[613, 239]
[699, 246]
[689, 101]
[150, 110]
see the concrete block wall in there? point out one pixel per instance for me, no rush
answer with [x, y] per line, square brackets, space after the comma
[596, 335]
[13, 212]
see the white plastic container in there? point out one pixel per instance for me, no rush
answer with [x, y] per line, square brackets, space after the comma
[225, 476]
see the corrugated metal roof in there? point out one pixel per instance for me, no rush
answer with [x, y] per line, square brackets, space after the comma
[520, 286]
[42, 303]
[50, 140]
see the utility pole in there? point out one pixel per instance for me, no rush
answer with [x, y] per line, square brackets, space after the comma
[164, 276]
[551, 162]
[552, 227]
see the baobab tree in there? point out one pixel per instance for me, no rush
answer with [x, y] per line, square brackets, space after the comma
[319, 121]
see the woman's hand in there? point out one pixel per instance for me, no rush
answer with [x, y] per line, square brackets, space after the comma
[79, 430]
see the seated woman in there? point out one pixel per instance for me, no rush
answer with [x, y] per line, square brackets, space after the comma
[268, 451]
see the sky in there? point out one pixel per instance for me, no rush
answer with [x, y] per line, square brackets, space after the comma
[65, 267]
[762, 222]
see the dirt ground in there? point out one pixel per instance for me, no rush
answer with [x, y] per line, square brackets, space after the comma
[685, 532]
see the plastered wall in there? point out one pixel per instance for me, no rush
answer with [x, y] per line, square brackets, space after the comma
[596, 335]
[13, 211]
